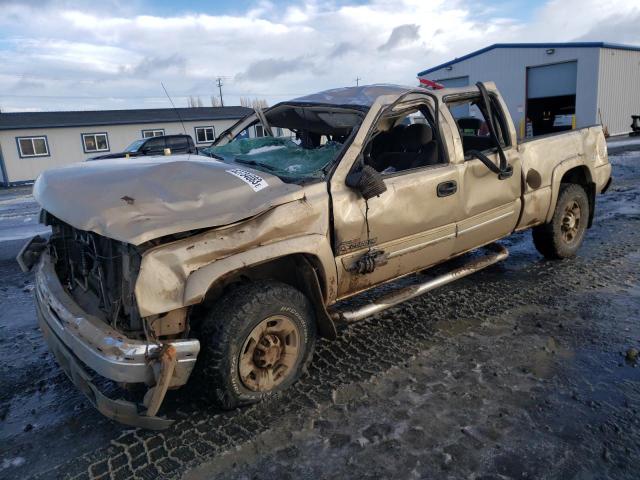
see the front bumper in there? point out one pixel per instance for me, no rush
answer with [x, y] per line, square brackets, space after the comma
[79, 339]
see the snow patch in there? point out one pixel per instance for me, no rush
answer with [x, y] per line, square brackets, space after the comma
[12, 462]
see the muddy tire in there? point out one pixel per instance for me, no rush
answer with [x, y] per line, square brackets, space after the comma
[562, 237]
[255, 341]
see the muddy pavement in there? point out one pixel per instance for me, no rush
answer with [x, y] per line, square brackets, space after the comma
[519, 371]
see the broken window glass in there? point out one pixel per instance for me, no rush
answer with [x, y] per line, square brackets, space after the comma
[279, 156]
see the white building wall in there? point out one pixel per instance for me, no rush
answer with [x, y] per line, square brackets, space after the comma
[65, 144]
[507, 67]
[619, 88]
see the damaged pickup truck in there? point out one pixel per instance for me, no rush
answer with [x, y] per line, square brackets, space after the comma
[223, 270]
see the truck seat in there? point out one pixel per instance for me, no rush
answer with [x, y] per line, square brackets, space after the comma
[418, 149]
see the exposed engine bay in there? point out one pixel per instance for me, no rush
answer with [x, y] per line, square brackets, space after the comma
[99, 272]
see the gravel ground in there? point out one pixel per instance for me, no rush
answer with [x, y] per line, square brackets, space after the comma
[519, 371]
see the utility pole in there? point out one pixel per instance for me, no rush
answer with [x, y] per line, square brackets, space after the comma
[219, 84]
[358, 81]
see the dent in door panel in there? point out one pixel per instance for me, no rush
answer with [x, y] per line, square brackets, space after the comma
[491, 192]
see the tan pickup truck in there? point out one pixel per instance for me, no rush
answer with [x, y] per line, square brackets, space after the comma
[223, 270]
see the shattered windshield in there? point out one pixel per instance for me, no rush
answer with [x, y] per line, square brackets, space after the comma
[278, 155]
[296, 142]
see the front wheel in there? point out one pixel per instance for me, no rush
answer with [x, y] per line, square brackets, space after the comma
[256, 340]
[562, 237]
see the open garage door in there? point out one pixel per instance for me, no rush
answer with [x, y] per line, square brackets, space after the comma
[551, 97]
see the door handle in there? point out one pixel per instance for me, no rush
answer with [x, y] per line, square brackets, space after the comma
[447, 188]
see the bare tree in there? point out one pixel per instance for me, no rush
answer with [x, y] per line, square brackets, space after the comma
[215, 101]
[253, 102]
[194, 102]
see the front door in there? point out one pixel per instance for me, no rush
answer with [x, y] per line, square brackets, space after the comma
[413, 223]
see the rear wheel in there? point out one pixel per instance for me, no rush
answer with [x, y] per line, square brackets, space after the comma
[255, 341]
[562, 237]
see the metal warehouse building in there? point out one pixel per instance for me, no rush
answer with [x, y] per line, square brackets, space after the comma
[31, 142]
[555, 86]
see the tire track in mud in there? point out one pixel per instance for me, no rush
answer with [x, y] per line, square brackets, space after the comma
[363, 350]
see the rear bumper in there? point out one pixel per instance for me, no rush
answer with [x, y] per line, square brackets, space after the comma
[79, 339]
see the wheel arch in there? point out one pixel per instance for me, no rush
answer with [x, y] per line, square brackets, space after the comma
[576, 172]
[307, 271]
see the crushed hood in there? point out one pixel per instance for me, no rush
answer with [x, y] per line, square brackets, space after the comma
[136, 200]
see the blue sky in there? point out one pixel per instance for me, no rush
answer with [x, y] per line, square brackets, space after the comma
[75, 55]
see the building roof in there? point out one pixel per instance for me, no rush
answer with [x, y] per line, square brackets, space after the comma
[531, 45]
[363, 95]
[20, 120]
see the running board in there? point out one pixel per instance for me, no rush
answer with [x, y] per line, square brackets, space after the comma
[498, 253]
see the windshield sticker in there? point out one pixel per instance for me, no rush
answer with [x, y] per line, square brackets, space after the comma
[254, 181]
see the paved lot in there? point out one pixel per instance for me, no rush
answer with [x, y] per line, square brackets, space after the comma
[516, 372]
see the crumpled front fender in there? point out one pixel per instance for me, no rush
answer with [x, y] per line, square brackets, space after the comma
[180, 273]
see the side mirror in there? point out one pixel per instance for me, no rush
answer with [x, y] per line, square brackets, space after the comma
[367, 181]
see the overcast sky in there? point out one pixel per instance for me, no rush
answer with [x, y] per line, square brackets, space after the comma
[80, 55]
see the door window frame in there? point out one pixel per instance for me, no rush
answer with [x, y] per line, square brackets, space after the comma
[407, 106]
[496, 107]
[162, 139]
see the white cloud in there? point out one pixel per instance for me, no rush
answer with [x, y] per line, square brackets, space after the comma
[60, 49]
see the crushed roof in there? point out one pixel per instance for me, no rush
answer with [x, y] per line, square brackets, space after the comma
[363, 95]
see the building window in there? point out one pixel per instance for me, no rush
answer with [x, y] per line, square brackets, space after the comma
[259, 131]
[33, 147]
[205, 134]
[95, 142]
[158, 132]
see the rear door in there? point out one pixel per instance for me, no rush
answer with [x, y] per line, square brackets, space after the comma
[490, 206]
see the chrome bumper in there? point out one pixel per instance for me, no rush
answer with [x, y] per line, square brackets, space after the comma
[78, 338]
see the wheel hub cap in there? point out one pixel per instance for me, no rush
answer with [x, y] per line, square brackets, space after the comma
[269, 353]
[571, 222]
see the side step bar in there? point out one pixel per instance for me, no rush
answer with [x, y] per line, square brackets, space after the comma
[498, 253]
